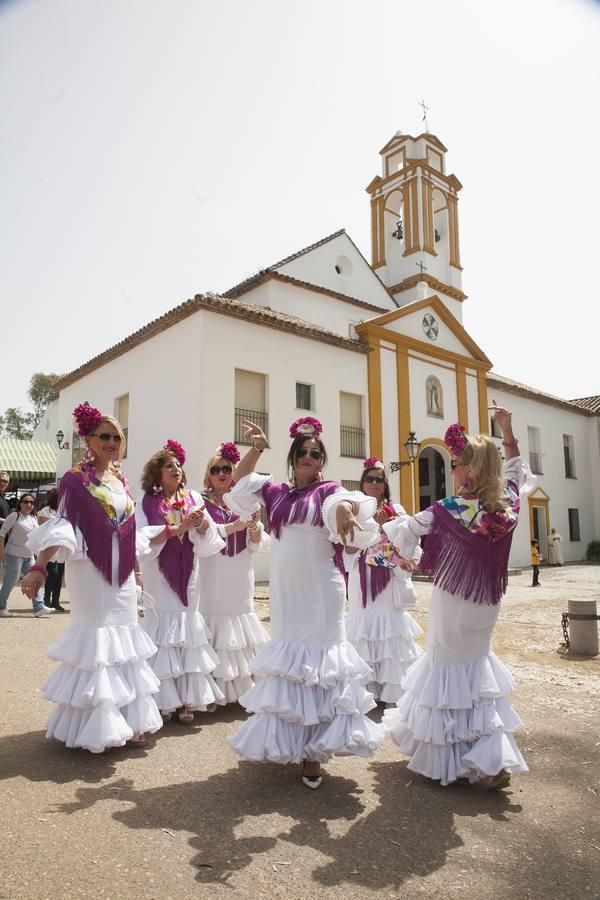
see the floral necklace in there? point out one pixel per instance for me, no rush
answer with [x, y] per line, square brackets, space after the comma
[172, 510]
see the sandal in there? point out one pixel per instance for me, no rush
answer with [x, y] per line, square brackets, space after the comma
[138, 741]
[311, 781]
[185, 716]
[166, 717]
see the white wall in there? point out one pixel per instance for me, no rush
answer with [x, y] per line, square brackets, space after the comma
[48, 425]
[412, 326]
[423, 425]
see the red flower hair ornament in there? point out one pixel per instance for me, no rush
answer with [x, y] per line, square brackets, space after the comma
[306, 427]
[455, 439]
[86, 418]
[229, 451]
[373, 463]
[176, 449]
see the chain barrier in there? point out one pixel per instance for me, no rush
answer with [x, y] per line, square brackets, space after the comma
[566, 645]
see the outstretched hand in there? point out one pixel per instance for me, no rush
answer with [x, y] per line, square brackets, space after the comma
[502, 417]
[255, 434]
[346, 523]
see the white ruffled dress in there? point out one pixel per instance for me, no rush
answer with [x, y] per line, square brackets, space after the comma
[310, 700]
[103, 686]
[453, 719]
[225, 590]
[383, 632]
[185, 661]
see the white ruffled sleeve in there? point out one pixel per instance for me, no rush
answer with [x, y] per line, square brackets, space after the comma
[405, 532]
[210, 542]
[404, 592]
[145, 551]
[517, 471]
[8, 523]
[370, 534]
[57, 532]
[242, 499]
[260, 546]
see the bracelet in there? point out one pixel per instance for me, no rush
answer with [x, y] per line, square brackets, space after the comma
[258, 449]
[513, 443]
[37, 567]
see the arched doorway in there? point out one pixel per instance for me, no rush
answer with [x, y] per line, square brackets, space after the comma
[432, 475]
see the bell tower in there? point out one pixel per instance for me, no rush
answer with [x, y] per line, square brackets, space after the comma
[414, 221]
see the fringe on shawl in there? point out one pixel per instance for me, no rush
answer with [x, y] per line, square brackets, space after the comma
[380, 577]
[237, 542]
[468, 565]
[292, 506]
[176, 559]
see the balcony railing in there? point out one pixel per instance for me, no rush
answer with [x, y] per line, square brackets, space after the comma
[259, 418]
[352, 441]
[535, 461]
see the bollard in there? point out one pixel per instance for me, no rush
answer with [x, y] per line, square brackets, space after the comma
[583, 626]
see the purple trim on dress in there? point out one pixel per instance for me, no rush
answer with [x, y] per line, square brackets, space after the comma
[379, 580]
[83, 511]
[292, 506]
[236, 543]
[338, 561]
[176, 559]
[468, 565]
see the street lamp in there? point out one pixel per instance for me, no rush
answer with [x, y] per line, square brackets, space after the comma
[59, 440]
[411, 445]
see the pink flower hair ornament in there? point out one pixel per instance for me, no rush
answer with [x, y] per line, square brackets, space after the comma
[86, 418]
[455, 439]
[373, 463]
[229, 451]
[176, 449]
[306, 427]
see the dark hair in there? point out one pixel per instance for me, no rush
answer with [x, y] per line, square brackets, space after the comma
[20, 500]
[151, 474]
[386, 486]
[52, 500]
[297, 444]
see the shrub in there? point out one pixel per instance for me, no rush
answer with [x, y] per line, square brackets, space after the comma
[593, 551]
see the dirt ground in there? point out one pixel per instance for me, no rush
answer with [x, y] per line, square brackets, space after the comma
[183, 818]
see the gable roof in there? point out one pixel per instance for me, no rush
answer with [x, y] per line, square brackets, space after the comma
[442, 312]
[592, 404]
[325, 240]
[523, 390]
[258, 315]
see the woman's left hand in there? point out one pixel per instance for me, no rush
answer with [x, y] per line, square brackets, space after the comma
[346, 522]
[138, 580]
[381, 516]
[32, 583]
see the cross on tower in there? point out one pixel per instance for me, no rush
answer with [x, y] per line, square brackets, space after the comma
[422, 267]
[425, 111]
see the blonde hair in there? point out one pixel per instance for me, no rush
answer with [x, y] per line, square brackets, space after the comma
[216, 461]
[485, 472]
[117, 426]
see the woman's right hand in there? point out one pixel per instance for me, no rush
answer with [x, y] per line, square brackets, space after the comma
[255, 434]
[32, 583]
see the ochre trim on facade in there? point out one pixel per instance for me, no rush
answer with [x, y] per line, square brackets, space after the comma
[482, 402]
[375, 405]
[403, 385]
[428, 233]
[427, 442]
[408, 343]
[412, 281]
[453, 228]
[542, 502]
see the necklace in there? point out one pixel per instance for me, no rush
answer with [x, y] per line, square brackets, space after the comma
[220, 504]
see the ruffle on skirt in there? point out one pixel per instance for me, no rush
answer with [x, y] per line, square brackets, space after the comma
[309, 702]
[184, 662]
[103, 687]
[236, 640]
[454, 720]
[385, 640]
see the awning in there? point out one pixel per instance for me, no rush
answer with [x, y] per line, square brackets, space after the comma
[28, 460]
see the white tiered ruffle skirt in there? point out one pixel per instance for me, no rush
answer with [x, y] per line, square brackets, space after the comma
[385, 638]
[236, 641]
[454, 721]
[309, 702]
[185, 662]
[103, 688]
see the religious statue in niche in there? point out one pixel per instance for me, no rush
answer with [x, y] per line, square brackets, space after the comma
[435, 399]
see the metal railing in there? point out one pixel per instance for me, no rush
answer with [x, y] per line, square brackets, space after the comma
[352, 441]
[256, 416]
[535, 461]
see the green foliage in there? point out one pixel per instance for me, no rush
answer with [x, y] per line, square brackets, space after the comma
[41, 392]
[17, 424]
[593, 551]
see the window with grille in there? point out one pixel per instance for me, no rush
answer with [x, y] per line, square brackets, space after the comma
[250, 403]
[352, 432]
[350, 485]
[304, 396]
[535, 453]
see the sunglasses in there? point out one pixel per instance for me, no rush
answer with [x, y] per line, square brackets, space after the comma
[314, 454]
[216, 470]
[374, 479]
[26, 502]
[108, 437]
[454, 464]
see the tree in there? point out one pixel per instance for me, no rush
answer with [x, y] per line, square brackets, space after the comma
[41, 391]
[17, 424]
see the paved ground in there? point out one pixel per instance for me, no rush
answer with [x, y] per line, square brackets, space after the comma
[184, 819]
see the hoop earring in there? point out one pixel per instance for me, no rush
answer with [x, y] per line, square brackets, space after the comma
[88, 456]
[157, 488]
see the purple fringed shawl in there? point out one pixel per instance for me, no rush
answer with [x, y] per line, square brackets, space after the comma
[380, 577]
[176, 559]
[236, 542]
[468, 565]
[79, 506]
[292, 506]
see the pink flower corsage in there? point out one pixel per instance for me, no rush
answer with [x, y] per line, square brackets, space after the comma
[389, 510]
[455, 439]
[176, 448]
[229, 451]
[306, 427]
[373, 463]
[86, 418]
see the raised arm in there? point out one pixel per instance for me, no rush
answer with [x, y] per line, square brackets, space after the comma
[503, 419]
[259, 443]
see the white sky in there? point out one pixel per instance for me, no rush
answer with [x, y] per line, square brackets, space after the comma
[154, 150]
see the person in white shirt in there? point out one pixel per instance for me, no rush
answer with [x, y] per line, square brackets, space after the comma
[17, 557]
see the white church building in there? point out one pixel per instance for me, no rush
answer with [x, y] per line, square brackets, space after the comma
[378, 352]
